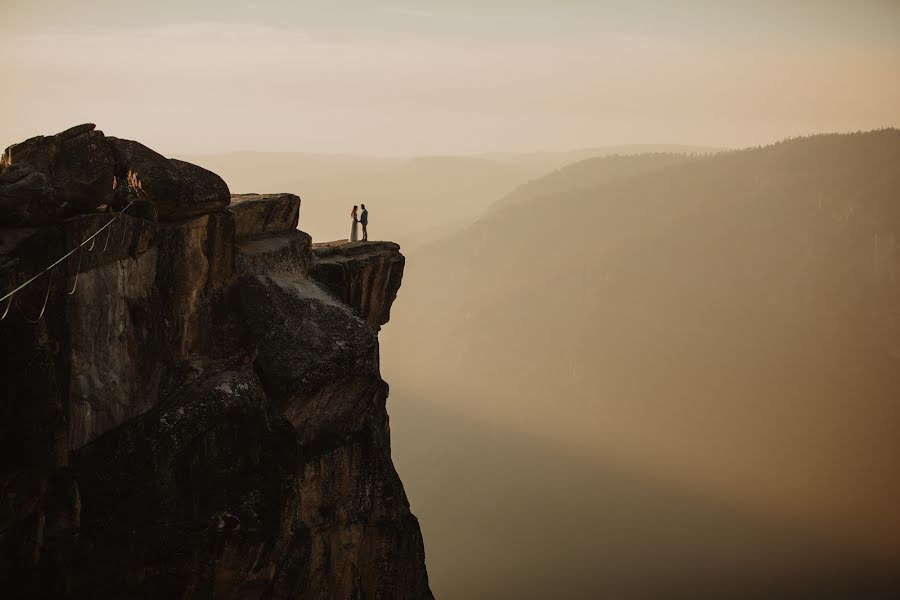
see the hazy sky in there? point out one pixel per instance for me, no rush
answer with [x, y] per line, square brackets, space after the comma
[442, 76]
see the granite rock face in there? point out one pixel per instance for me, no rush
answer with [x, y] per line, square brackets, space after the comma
[257, 215]
[198, 418]
[364, 275]
[285, 254]
[26, 197]
[179, 190]
[48, 177]
[269, 242]
[337, 352]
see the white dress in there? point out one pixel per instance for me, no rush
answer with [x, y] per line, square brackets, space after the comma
[354, 231]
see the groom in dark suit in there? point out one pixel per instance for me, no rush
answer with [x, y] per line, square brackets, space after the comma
[364, 220]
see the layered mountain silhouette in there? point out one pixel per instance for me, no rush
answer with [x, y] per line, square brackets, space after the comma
[726, 322]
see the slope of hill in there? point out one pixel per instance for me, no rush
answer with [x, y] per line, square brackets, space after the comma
[589, 173]
[561, 159]
[730, 322]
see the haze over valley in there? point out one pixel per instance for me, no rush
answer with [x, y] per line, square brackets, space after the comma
[679, 353]
[626, 324]
[712, 341]
[419, 199]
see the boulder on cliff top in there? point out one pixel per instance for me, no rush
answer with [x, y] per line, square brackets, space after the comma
[179, 189]
[264, 214]
[46, 178]
[49, 178]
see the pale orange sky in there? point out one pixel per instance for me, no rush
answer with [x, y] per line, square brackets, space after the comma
[440, 77]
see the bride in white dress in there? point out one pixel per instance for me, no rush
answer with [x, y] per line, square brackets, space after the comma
[354, 229]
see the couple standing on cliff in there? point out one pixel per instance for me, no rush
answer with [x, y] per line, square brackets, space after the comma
[362, 220]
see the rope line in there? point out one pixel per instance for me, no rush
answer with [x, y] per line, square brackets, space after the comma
[13, 292]
[44, 307]
[108, 231]
[77, 272]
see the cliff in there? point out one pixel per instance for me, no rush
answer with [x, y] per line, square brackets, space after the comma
[204, 415]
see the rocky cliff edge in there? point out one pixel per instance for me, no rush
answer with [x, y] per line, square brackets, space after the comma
[203, 416]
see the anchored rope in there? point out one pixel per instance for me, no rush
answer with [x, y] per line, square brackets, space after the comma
[44, 307]
[9, 295]
[77, 272]
[108, 231]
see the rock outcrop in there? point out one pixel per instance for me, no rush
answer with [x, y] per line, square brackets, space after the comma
[48, 177]
[204, 416]
[177, 188]
[364, 275]
[269, 242]
[264, 214]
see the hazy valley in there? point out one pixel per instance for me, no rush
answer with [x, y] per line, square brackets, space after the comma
[677, 365]
[728, 323]
[466, 300]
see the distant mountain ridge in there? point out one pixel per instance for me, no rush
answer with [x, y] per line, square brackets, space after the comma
[590, 172]
[573, 156]
[728, 320]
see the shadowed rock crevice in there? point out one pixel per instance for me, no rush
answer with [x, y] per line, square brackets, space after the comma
[199, 419]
